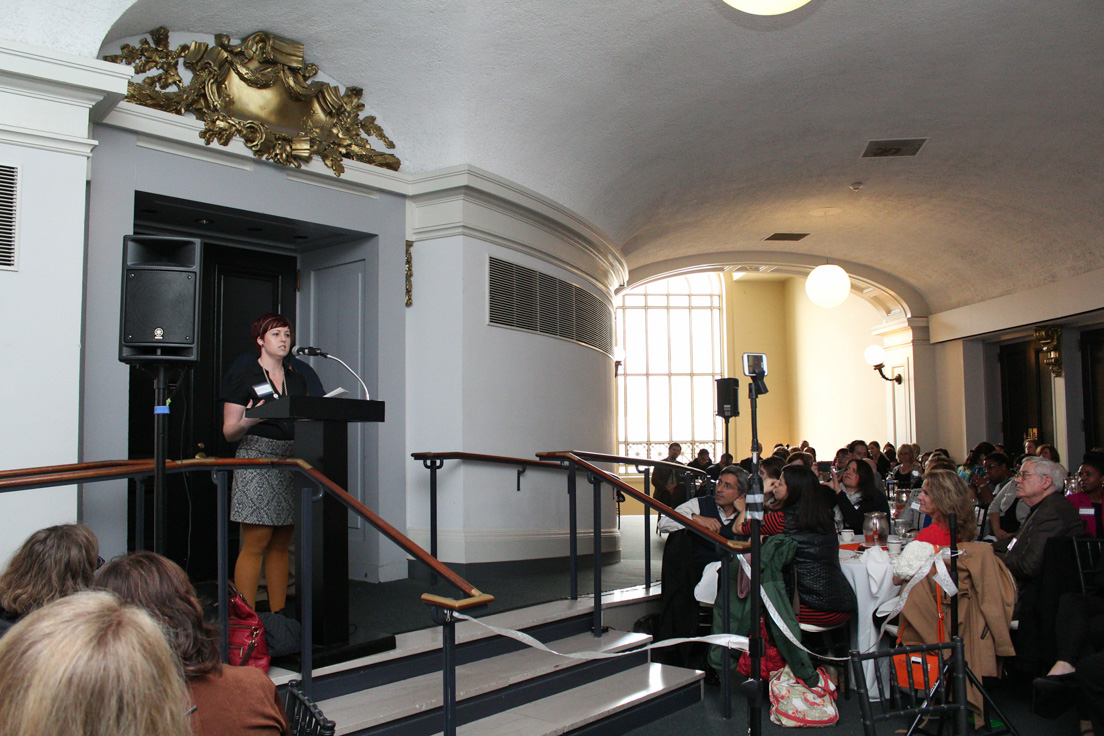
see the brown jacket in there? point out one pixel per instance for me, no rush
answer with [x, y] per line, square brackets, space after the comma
[987, 597]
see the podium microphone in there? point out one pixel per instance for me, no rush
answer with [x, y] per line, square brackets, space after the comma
[317, 352]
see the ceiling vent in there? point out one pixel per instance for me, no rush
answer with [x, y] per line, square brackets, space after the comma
[749, 269]
[786, 236]
[894, 147]
[525, 299]
[9, 210]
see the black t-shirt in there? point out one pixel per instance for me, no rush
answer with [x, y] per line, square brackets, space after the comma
[239, 389]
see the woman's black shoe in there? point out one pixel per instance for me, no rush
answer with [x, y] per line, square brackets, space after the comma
[1052, 696]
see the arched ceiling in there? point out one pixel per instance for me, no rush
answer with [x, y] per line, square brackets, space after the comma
[685, 129]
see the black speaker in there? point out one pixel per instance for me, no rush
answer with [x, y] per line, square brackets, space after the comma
[159, 320]
[728, 398]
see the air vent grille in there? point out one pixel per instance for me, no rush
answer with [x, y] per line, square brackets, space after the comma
[536, 302]
[9, 210]
[786, 236]
[894, 147]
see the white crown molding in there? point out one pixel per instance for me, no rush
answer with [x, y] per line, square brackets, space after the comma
[467, 546]
[48, 98]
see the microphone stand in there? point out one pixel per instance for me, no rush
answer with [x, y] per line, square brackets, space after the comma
[310, 352]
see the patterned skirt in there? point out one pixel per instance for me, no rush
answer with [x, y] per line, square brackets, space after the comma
[267, 496]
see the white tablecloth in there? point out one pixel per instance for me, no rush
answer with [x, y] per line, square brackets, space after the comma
[871, 575]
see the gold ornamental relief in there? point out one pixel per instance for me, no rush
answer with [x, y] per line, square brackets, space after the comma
[259, 91]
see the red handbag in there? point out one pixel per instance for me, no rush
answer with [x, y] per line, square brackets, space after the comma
[248, 645]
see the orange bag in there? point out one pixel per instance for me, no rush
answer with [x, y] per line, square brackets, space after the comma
[921, 662]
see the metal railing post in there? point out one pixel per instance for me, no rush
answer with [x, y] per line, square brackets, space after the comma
[139, 515]
[305, 585]
[726, 668]
[573, 532]
[222, 484]
[434, 465]
[596, 484]
[647, 531]
[447, 620]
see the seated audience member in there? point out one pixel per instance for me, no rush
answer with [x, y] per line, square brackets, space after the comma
[89, 665]
[843, 456]
[1050, 452]
[717, 513]
[858, 449]
[714, 471]
[802, 458]
[943, 493]
[974, 464]
[702, 461]
[1031, 447]
[1040, 484]
[229, 700]
[1006, 511]
[881, 462]
[891, 454]
[825, 596]
[1090, 478]
[908, 475]
[856, 494]
[770, 471]
[50, 564]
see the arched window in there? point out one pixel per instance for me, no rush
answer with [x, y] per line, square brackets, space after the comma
[670, 332]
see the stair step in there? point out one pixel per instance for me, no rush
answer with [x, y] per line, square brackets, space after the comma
[362, 710]
[573, 709]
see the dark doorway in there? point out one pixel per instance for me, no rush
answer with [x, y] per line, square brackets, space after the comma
[238, 285]
[1027, 399]
[1092, 375]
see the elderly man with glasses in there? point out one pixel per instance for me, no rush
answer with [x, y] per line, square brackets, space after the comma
[1040, 484]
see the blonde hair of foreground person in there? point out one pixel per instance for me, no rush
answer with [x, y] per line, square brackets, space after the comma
[87, 665]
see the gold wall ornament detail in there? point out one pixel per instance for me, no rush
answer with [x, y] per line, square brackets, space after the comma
[410, 273]
[1050, 338]
[259, 91]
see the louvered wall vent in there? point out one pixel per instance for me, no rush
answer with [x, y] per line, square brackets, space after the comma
[529, 300]
[9, 208]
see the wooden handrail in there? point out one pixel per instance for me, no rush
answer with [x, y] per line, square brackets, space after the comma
[500, 459]
[20, 472]
[602, 457]
[644, 498]
[58, 475]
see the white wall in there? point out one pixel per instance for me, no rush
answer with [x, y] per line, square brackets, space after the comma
[837, 396]
[491, 390]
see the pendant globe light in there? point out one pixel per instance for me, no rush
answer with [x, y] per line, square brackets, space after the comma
[767, 7]
[828, 285]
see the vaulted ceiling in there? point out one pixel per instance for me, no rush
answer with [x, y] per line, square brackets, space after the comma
[688, 131]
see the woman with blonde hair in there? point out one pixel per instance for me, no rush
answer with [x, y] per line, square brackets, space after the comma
[229, 700]
[50, 564]
[87, 665]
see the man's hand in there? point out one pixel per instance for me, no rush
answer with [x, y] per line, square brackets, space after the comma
[709, 523]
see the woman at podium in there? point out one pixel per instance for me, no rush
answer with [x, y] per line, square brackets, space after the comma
[263, 501]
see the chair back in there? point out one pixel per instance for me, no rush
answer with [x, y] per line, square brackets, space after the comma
[903, 704]
[305, 718]
[1089, 553]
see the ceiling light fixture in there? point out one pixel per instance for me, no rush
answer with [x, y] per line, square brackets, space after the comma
[827, 285]
[766, 7]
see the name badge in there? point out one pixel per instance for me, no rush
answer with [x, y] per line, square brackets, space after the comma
[915, 506]
[262, 390]
[1087, 511]
[1012, 544]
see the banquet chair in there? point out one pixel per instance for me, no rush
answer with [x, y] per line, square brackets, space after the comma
[830, 642]
[305, 718]
[920, 697]
[1089, 554]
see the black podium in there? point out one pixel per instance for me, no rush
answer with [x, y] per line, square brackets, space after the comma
[322, 439]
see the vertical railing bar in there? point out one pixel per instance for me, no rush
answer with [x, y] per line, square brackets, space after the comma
[305, 586]
[222, 478]
[448, 650]
[433, 464]
[726, 668]
[573, 531]
[139, 515]
[596, 484]
[647, 533]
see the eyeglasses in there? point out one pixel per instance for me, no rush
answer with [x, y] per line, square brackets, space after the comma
[1024, 474]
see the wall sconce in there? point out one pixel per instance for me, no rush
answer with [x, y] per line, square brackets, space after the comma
[875, 356]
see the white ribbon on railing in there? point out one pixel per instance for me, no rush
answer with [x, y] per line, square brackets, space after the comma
[731, 641]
